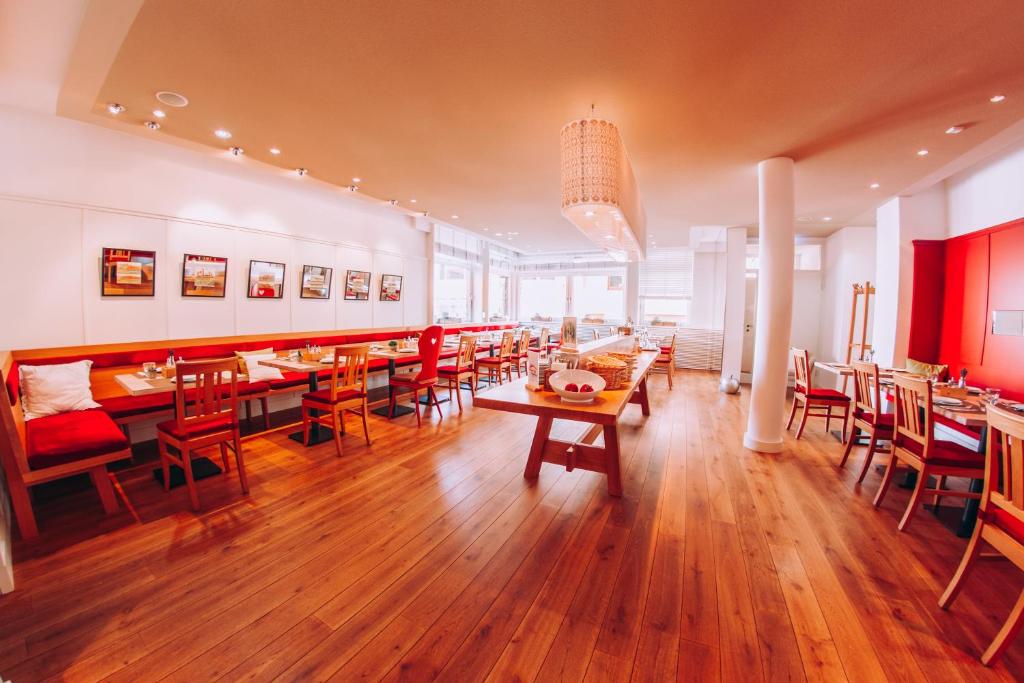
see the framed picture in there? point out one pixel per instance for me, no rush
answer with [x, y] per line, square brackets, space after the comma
[204, 276]
[615, 283]
[390, 287]
[316, 282]
[266, 280]
[128, 272]
[357, 285]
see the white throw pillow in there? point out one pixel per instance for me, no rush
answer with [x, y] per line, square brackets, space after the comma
[51, 389]
[261, 373]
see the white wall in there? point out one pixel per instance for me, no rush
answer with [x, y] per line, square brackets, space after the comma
[803, 330]
[848, 257]
[987, 194]
[67, 189]
[707, 310]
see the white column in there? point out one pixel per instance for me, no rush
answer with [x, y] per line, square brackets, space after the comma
[735, 301]
[774, 305]
[485, 254]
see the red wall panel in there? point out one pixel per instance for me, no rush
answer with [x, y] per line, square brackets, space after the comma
[926, 301]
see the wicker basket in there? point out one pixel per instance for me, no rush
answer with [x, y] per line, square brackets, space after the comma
[628, 358]
[613, 371]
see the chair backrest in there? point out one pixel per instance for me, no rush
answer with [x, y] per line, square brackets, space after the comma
[597, 333]
[867, 396]
[430, 350]
[351, 364]
[801, 370]
[215, 395]
[1005, 464]
[507, 340]
[671, 353]
[524, 341]
[544, 339]
[913, 399]
[466, 357]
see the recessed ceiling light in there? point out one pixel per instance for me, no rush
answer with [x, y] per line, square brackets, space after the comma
[172, 99]
[275, 151]
[222, 134]
[237, 151]
[357, 180]
[826, 218]
[115, 108]
[497, 234]
[513, 233]
[455, 215]
[954, 130]
[152, 125]
[997, 98]
[413, 201]
[922, 152]
[393, 202]
[874, 186]
[159, 113]
[302, 171]
[486, 229]
[609, 237]
[588, 213]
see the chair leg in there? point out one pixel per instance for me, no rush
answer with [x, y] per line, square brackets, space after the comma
[846, 419]
[915, 500]
[224, 456]
[437, 404]
[671, 372]
[101, 480]
[366, 429]
[336, 427]
[937, 500]
[849, 446]
[890, 471]
[869, 456]
[803, 419]
[248, 411]
[165, 463]
[458, 392]
[21, 502]
[264, 406]
[828, 419]
[243, 478]
[1006, 634]
[971, 554]
[190, 482]
[792, 414]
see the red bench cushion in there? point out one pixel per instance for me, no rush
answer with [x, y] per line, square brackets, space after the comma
[126, 406]
[192, 431]
[324, 396]
[291, 379]
[68, 437]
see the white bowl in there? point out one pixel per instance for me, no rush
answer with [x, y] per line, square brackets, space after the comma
[579, 378]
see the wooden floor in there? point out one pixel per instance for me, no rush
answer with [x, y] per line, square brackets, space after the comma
[428, 556]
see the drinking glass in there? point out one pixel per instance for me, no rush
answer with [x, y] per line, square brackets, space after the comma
[992, 395]
[149, 368]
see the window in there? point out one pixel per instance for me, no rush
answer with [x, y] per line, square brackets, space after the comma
[599, 298]
[666, 286]
[542, 298]
[453, 293]
[498, 296]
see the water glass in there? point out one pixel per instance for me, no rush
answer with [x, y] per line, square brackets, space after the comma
[149, 369]
[991, 395]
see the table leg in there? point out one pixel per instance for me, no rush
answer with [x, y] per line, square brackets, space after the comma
[400, 410]
[316, 434]
[611, 460]
[641, 390]
[970, 516]
[540, 438]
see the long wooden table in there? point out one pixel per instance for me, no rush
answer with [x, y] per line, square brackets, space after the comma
[603, 414]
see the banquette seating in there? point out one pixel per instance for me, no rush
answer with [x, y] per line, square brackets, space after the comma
[85, 441]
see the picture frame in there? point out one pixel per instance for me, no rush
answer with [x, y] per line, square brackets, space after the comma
[390, 287]
[357, 285]
[204, 277]
[127, 272]
[316, 282]
[616, 283]
[266, 280]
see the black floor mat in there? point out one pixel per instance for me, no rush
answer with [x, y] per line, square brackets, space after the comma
[201, 469]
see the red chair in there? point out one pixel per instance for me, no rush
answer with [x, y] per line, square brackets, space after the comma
[214, 421]
[914, 444]
[868, 417]
[346, 391]
[1000, 520]
[813, 398]
[430, 343]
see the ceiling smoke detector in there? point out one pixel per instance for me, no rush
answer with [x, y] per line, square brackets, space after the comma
[172, 99]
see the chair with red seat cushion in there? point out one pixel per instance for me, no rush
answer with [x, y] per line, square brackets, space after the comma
[814, 398]
[1000, 520]
[914, 444]
[205, 415]
[463, 369]
[430, 343]
[495, 365]
[666, 360]
[519, 352]
[867, 414]
[54, 447]
[346, 390]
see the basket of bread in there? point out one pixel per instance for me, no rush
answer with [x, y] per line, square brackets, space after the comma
[614, 371]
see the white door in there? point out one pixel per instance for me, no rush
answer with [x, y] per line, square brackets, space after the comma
[749, 325]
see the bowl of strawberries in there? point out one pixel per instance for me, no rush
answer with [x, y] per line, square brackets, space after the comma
[577, 386]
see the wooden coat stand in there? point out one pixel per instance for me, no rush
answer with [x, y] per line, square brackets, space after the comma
[866, 290]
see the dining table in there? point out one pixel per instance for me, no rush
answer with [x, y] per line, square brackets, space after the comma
[311, 368]
[392, 356]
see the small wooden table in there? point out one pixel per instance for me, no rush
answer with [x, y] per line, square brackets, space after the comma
[144, 386]
[603, 414]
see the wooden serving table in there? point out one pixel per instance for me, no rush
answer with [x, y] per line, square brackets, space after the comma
[603, 414]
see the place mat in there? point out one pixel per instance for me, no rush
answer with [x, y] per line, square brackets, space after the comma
[134, 383]
[201, 469]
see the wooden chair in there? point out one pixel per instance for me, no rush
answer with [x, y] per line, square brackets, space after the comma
[495, 365]
[812, 398]
[1000, 520]
[430, 342]
[519, 352]
[462, 370]
[868, 417]
[346, 390]
[213, 420]
[53, 447]
[914, 444]
[666, 360]
[597, 333]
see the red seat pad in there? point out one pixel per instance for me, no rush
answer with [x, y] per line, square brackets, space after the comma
[826, 394]
[324, 396]
[491, 360]
[1005, 521]
[193, 431]
[885, 420]
[947, 454]
[68, 437]
[125, 406]
[450, 370]
[408, 379]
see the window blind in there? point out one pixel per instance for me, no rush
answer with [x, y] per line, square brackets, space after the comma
[667, 274]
